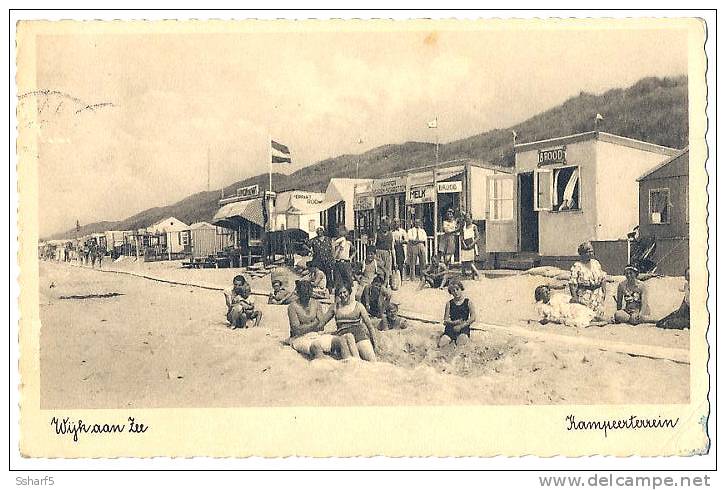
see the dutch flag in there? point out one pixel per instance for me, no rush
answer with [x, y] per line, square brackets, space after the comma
[280, 153]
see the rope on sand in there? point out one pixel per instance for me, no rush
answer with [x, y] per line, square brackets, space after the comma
[681, 356]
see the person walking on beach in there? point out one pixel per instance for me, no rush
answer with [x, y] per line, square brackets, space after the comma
[416, 239]
[587, 281]
[629, 299]
[459, 315]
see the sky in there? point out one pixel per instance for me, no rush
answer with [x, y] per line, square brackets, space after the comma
[164, 106]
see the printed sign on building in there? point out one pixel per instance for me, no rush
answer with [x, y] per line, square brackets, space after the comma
[307, 198]
[552, 156]
[394, 185]
[249, 191]
[364, 202]
[448, 187]
[421, 194]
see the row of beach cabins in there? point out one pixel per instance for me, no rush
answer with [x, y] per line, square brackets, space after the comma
[560, 192]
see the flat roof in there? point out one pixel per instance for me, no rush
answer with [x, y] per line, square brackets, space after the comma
[450, 163]
[600, 136]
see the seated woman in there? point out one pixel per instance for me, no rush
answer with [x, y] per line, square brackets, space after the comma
[306, 331]
[681, 318]
[355, 332]
[459, 315]
[587, 280]
[558, 308]
[279, 295]
[318, 280]
[375, 297]
[629, 299]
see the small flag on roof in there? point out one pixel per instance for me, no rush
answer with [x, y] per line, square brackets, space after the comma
[280, 153]
[434, 123]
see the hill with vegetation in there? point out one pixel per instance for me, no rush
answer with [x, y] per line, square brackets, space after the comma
[653, 110]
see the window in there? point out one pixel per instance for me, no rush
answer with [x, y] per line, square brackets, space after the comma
[659, 204]
[566, 188]
[184, 237]
[255, 231]
[312, 225]
[501, 198]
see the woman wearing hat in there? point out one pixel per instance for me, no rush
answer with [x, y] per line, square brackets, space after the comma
[629, 299]
[587, 280]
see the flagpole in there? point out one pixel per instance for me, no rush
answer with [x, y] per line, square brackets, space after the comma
[269, 159]
[436, 190]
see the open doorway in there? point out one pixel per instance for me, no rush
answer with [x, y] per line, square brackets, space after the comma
[528, 217]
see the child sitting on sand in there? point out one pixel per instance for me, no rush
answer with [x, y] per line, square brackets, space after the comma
[240, 305]
[375, 297]
[391, 320]
[279, 295]
[436, 274]
[557, 308]
[459, 316]
[629, 300]
[369, 270]
[317, 280]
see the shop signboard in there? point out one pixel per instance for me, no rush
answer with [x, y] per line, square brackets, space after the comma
[364, 202]
[393, 185]
[552, 156]
[448, 187]
[420, 194]
[249, 191]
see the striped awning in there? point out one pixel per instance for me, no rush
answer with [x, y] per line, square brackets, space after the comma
[249, 210]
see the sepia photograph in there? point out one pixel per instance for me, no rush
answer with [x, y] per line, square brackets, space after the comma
[387, 215]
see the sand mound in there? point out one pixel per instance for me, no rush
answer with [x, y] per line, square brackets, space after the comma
[416, 347]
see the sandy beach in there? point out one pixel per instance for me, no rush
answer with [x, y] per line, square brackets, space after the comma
[112, 340]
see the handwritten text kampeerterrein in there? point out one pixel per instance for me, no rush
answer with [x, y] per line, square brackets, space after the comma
[74, 428]
[632, 423]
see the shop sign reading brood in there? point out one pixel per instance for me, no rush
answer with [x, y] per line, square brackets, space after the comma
[552, 156]
[448, 187]
[393, 185]
[420, 194]
[364, 203]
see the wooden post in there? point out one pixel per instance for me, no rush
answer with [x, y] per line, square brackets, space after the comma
[436, 212]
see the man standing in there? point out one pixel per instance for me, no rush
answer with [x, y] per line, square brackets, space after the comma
[322, 249]
[416, 240]
[342, 252]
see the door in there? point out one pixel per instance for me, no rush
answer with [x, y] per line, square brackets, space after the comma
[528, 217]
[501, 230]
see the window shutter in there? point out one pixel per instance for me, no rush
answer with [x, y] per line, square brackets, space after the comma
[543, 190]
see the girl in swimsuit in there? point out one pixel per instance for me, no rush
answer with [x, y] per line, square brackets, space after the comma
[458, 316]
[354, 327]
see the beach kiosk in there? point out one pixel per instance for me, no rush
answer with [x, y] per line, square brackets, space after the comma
[663, 192]
[246, 214]
[565, 191]
[426, 194]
